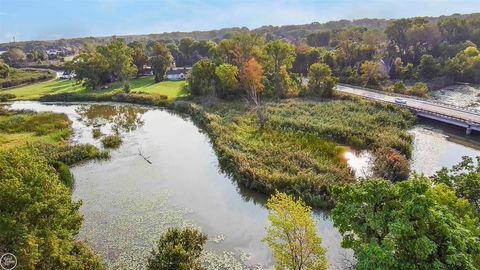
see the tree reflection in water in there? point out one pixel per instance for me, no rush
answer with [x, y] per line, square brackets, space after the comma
[120, 118]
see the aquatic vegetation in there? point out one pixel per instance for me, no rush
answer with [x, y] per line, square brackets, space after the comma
[118, 96]
[49, 127]
[299, 152]
[112, 141]
[69, 154]
[96, 133]
[64, 174]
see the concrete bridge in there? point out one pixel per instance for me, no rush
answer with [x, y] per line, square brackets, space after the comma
[460, 117]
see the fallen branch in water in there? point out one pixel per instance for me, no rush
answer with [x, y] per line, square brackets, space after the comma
[143, 156]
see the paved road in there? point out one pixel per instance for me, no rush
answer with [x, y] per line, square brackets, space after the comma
[415, 104]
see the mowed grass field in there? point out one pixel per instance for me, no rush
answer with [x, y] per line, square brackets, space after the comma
[172, 89]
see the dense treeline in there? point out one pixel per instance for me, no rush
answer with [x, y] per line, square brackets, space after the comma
[293, 33]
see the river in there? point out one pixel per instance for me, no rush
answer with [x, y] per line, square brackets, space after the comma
[128, 202]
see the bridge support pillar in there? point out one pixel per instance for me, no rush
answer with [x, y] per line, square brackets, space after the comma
[469, 130]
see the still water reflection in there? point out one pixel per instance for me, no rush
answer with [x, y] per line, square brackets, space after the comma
[128, 202]
[434, 146]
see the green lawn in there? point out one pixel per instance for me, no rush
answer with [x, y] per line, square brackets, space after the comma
[145, 85]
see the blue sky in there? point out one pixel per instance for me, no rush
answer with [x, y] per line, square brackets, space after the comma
[45, 20]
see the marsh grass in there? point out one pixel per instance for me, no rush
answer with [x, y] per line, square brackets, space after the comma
[300, 150]
[112, 141]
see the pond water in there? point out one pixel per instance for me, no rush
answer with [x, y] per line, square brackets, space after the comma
[128, 203]
[435, 146]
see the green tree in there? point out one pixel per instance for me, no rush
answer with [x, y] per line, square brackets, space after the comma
[320, 80]
[319, 39]
[227, 79]
[280, 53]
[407, 225]
[454, 30]
[372, 73]
[140, 57]
[429, 67]
[202, 78]
[92, 69]
[120, 60]
[396, 31]
[389, 164]
[292, 235]
[178, 249]
[39, 221]
[4, 70]
[464, 178]
[161, 61]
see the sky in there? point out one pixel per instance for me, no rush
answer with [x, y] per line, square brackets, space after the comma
[48, 20]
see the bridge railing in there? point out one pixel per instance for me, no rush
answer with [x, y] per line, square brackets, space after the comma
[467, 121]
[428, 101]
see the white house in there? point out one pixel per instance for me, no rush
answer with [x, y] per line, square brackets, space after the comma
[178, 73]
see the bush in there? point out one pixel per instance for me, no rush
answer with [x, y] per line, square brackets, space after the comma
[178, 249]
[391, 165]
[112, 141]
[96, 133]
[145, 99]
[126, 87]
[419, 90]
[64, 174]
[399, 88]
[6, 96]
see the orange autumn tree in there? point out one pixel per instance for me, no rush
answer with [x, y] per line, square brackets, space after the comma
[253, 82]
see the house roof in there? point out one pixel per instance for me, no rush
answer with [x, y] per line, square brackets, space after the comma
[183, 70]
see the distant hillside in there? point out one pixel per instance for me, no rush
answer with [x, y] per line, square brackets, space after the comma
[293, 33]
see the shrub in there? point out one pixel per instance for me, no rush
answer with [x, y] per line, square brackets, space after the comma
[399, 88]
[390, 164]
[6, 96]
[126, 87]
[96, 133]
[145, 99]
[419, 90]
[112, 141]
[178, 249]
[64, 174]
